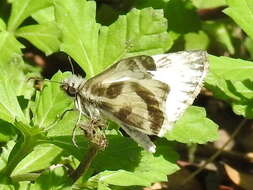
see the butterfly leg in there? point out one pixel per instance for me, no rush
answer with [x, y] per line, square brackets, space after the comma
[59, 118]
[141, 138]
[66, 111]
[74, 129]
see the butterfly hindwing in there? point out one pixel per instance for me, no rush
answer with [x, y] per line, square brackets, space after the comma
[184, 71]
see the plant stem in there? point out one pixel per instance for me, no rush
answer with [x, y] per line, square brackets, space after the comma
[85, 162]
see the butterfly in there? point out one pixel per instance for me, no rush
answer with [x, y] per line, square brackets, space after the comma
[145, 95]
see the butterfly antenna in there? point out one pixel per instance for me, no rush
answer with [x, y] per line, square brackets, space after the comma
[71, 64]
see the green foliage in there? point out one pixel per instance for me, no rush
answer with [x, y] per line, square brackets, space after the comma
[50, 103]
[44, 36]
[231, 80]
[133, 163]
[89, 43]
[219, 34]
[242, 13]
[37, 142]
[9, 105]
[9, 46]
[194, 127]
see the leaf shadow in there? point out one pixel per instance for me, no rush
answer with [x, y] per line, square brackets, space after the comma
[166, 149]
[121, 153]
[236, 98]
[244, 101]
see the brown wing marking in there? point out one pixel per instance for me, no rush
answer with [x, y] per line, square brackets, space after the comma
[138, 63]
[109, 91]
[156, 116]
[138, 106]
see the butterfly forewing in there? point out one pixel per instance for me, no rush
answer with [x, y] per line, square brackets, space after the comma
[128, 94]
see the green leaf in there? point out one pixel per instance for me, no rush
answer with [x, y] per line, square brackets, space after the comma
[244, 109]
[16, 75]
[95, 47]
[80, 31]
[231, 69]
[28, 139]
[10, 48]
[64, 127]
[236, 93]
[52, 179]
[103, 186]
[6, 131]
[242, 13]
[40, 158]
[6, 183]
[194, 127]
[19, 73]
[2, 25]
[61, 135]
[231, 80]
[181, 15]
[219, 34]
[9, 106]
[249, 46]
[5, 152]
[44, 16]
[119, 178]
[22, 9]
[139, 32]
[7, 186]
[128, 161]
[196, 41]
[51, 102]
[158, 4]
[44, 36]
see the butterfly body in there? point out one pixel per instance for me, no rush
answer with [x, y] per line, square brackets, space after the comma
[140, 94]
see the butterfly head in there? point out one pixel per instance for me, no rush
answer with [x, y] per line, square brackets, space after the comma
[72, 85]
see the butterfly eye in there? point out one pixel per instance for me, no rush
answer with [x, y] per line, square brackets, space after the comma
[71, 91]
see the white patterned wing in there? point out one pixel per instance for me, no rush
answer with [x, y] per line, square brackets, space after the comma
[184, 72]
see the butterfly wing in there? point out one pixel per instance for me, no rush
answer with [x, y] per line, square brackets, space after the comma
[184, 72]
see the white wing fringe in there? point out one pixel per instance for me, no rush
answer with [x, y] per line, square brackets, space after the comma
[184, 72]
